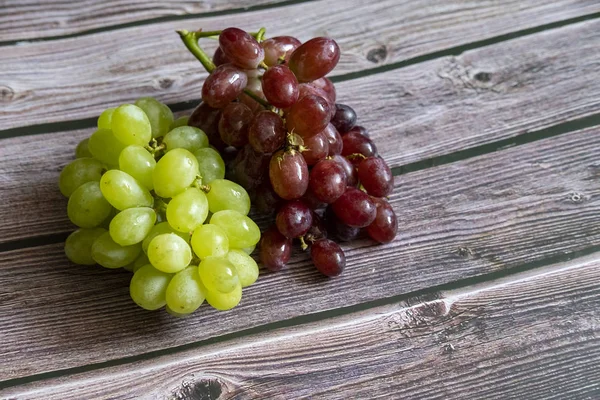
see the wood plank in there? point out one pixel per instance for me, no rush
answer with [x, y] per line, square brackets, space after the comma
[414, 113]
[77, 78]
[484, 215]
[535, 336]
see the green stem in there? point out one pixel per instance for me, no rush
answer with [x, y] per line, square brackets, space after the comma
[259, 100]
[260, 35]
[190, 39]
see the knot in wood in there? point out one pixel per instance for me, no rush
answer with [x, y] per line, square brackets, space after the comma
[483, 76]
[165, 83]
[377, 54]
[576, 197]
[205, 389]
[6, 94]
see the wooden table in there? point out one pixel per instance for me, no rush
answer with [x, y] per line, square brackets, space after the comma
[489, 112]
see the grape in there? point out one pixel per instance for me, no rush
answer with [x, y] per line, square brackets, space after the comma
[234, 122]
[78, 172]
[187, 210]
[218, 274]
[105, 119]
[186, 137]
[210, 165]
[148, 287]
[344, 118]
[174, 172]
[227, 195]
[132, 225]
[241, 48]
[122, 191]
[334, 139]
[159, 115]
[110, 254]
[327, 181]
[383, 229]
[82, 150]
[280, 86]
[318, 230]
[312, 201]
[185, 292]
[130, 125]
[181, 121]
[168, 252]
[318, 148]
[361, 130]
[279, 48]
[328, 257]
[210, 241]
[309, 116]
[289, 174]
[241, 230]
[248, 250]
[267, 132]
[104, 146]
[159, 229]
[78, 246]
[140, 262]
[355, 208]
[223, 85]
[355, 143]
[314, 59]
[339, 230]
[249, 168]
[219, 58]
[255, 86]
[351, 174]
[306, 89]
[294, 219]
[245, 266]
[376, 177]
[275, 249]
[87, 208]
[139, 163]
[267, 200]
[327, 87]
[224, 301]
[206, 119]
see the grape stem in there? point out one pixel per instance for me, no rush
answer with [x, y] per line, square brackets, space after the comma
[159, 205]
[303, 244]
[198, 184]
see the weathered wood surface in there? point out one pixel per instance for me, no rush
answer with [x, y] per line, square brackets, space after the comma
[426, 110]
[533, 336]
[77, 78]
[484, 215]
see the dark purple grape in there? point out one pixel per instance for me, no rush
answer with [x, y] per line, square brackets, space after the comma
[275, 249]
[334, 139]
[355, 143]
[280, 86]
[318, 230]
[385, 226]
[207, 119]
[337, 229]
[361, 130]
[267, 132]
[223, 85]
[249, 168]
[344, 118]
[294, 219]
[317, 148]
[241, 48]
[314, 59]
[311, 200]
[351, 174]
[355, 208]
[376, 176]
[289, 174]
[328, 257]
[309, 116]
[234, 122]
[219, 58]
[327, 181]
[267, 201]
[255, 86]
[279, 48]
[327, 87]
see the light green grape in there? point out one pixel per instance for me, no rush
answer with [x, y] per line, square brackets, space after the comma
[248, 250]
[78, 246]
[82, 150]
[110, 254]
[122, 191]
[224, 301]
[210, 241]
[210, 165]
[139, 163]
[168, 252]
[132, 225]
[245, 266]
[148, 287]
[105, 119]
[240, 229]
[159, 229]
[159, 115]
[218, 274]
[105, 147]
[185, 293]
[130, 125]
[188, 210]
[128, 267]
[174, 172]
[181, 121]
[87, 208]
[227, 195]
[140, 262]
[186, 137]
[78, 172]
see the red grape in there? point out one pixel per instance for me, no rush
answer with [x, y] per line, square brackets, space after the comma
[219, 58]
[241, 48]
[279, 47]
[344, 118]
[318, 230]
[249, 168]
[267, 201]
[338, 230]
[275, 249]
[361, 130]
[311, 200]
[255, 86]
[355, 208]
[305, 89]
[267, 132]
[207, 119]
[327, 181]
[314, 59]
[355, 143]
[385, 226]
[351, 174]
[334, 139]
[223, 85]
[280, 86]
[294, 219]
[376, 176]
[327, 87]
[289, 174]
[328, 257]
[233, 125]
[317, 148]
[309, 116]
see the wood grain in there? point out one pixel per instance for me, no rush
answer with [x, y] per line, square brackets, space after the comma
[77, 78]
[484, 215]
[415, 113]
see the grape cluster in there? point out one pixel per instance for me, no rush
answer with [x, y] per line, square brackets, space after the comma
[148, 194]
[269, 107]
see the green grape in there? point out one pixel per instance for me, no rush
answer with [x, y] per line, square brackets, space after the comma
[110, 254]
[105, 119]
[78, 172]
[168, 252]
[82, 150]
[210, 165]
[227, 195]
[148, 287]
[132, 225]
[224, 301]
[249, 250]
[105, 147]
[174, 172]
[240, 229]
[140, 262]
[185, 293]
[139, 163]
[122, 191]
[210, 241]
[130, 125]
[159, 115]
[181, 121]
[245, 266]
[218, 274]
[78, 246]
[175, 314]
[87, 208]
[159, 229]
[186, 137]
[188, 210]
